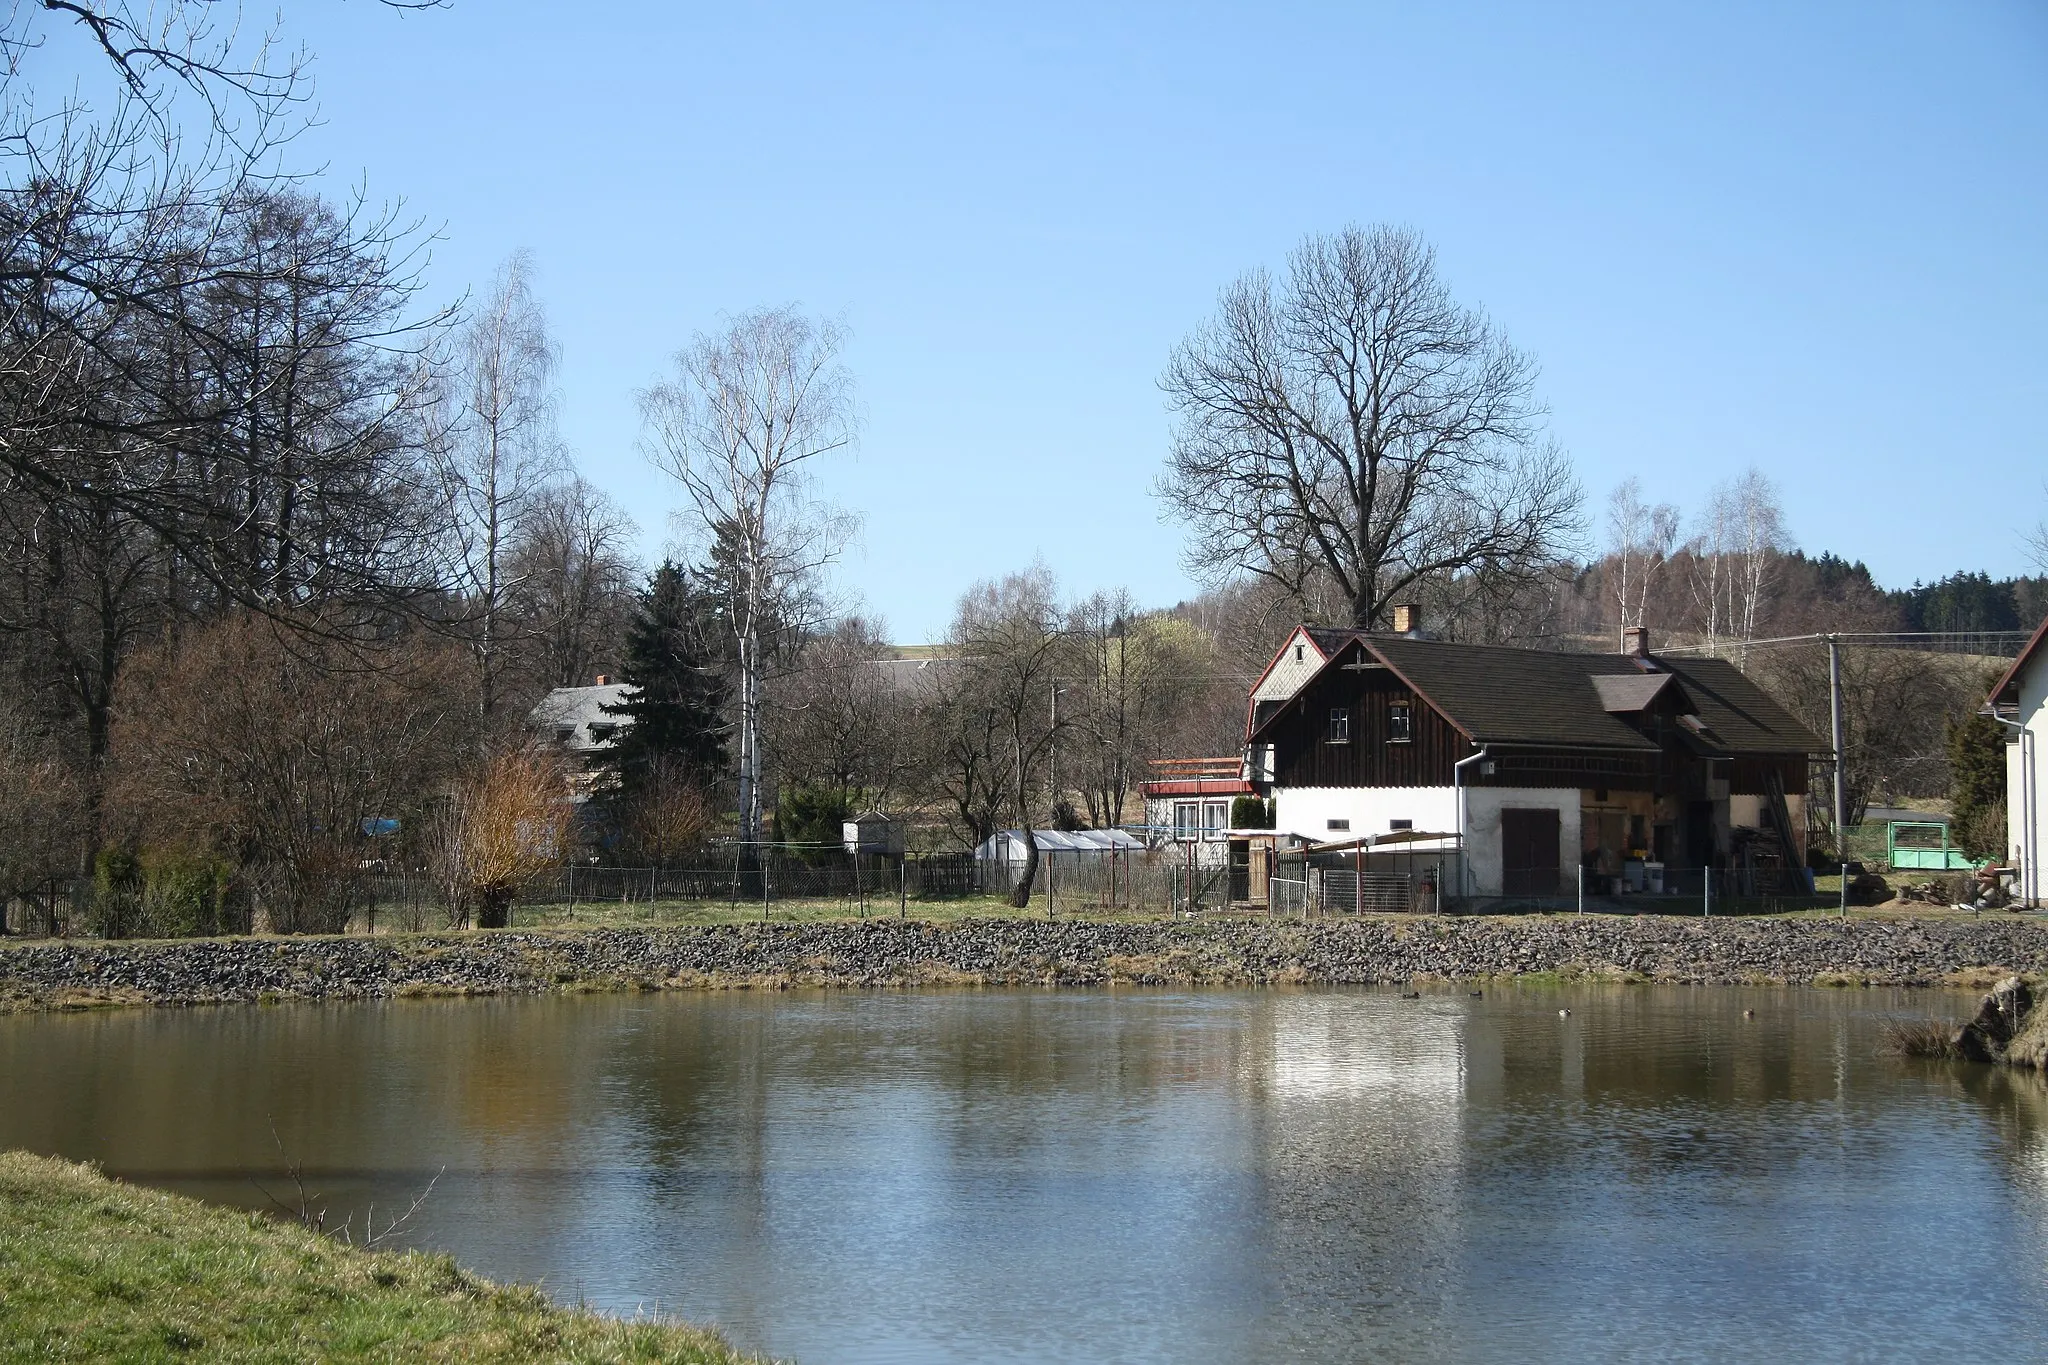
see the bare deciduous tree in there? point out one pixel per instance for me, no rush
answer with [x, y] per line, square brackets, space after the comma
[504, 828]
[1357, 431]
[498, 454]
[42, 813]
[1735, 556]
[570, 583]
[670, 816]
[273, 748]
[739, 425]
[837, 724]
[1640, 539]
[1011, 638]
[1137, 679]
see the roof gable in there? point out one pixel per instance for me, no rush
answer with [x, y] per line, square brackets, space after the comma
[1298, 660]
[2008, 690]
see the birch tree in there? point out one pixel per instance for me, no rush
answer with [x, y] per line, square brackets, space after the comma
[740, 426]
[1757, 536]
[498, 453]
[1640, 538]
[1354, 431]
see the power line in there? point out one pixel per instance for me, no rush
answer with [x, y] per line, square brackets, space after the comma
[2002, 642]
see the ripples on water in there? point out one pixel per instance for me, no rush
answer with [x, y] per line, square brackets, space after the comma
[1207, 1176]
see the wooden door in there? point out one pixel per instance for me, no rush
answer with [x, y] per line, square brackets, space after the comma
[1528, 853]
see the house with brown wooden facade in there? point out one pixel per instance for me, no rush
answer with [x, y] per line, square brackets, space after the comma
[1540, 765]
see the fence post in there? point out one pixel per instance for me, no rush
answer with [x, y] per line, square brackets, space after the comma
[903, 887]
[1582, 887]
[1706, 891]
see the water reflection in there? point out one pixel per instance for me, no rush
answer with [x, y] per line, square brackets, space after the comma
[1134, 1175]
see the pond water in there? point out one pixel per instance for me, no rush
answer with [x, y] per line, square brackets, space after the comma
[1128, 1175]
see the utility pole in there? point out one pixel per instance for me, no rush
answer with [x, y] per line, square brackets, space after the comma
[1053, 763]
[1841, 806]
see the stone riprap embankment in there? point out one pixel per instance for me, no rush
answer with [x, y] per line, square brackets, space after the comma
[1011, 952]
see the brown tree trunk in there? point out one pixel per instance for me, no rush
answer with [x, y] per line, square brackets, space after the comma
[494, 907]
[1020, 894]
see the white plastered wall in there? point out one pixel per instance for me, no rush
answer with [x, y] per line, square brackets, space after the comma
[1307, 811]
[1483, 806]
[2026, 793]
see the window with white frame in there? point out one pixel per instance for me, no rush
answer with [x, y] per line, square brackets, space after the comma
[1340, 725]
[1399, 723]
[1197, 820]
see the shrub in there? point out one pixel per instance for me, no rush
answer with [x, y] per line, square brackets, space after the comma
[116, 892]
[1251, 812]
[188, 895]
[813, 815]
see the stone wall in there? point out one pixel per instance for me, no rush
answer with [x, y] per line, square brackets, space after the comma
[1013, 952]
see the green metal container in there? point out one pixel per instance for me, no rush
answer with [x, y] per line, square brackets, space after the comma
[1922, 846]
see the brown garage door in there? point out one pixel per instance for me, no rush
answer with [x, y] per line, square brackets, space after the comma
[1528, 850]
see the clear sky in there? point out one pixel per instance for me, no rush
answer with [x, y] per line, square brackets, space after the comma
[1813, 237]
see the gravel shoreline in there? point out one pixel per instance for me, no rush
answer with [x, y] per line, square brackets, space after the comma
[1010, 952]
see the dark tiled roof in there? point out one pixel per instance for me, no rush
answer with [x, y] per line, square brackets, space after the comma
[1501, 695]
[1628, 693]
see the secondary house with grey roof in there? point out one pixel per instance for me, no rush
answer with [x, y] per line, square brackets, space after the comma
[1538, 764]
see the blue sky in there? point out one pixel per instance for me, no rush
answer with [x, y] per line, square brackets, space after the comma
[1811, 237]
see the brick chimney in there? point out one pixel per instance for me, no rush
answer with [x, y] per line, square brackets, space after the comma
[604, 680]
[1407, 618]
[1635, 641]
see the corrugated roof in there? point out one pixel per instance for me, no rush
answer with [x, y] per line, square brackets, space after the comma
[1065, 841]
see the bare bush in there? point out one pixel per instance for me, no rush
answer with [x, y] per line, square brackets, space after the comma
[280, 751]
[502, 829]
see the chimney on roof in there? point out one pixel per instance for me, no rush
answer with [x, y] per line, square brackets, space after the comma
[1635, 642]
[604, 680]
[1407, 618]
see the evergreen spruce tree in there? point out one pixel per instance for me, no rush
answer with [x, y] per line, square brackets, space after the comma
[1976, 764]
[674, 716]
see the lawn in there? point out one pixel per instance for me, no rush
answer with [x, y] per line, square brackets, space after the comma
[93, 1269]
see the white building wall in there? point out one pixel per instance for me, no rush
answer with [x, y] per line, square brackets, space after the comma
[1307, 811]
[2026, 785]
[1483, 806]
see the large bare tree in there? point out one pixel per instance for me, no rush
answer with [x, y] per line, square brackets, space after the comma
[570, 584]
[1735, 558]
[739, 425]
[1353, 430]
[498, 452]
[1640, 538]
[1011, 635]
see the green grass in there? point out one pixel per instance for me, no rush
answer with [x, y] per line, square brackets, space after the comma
[649, 914]
[93, 1269]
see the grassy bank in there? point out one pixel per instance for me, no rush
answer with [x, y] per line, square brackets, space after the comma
[93, 1269]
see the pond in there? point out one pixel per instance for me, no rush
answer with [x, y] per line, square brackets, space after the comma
[1127, 1175]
